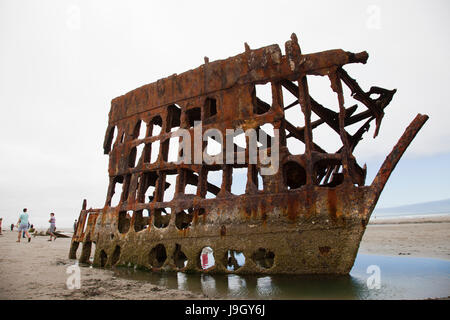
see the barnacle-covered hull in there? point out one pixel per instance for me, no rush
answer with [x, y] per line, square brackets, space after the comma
[307, 217]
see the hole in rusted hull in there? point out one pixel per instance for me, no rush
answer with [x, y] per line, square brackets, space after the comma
[193, 115]
[115, 256]
[234, 260]
[154, 151]
[103, 258]
[141, 220]
[156, 126]
[114, 197]
[294, 175]
[207, 260]
[174, 144]
[124, 221]
[158, 256]
[147, 187]
[191, 182]
[262, 98]
[327, 172]
[214, 181]
[161, 217]
[263, 258]
[239, 179]
[183, 219]
[174, 115]
[169, 192]
[179, 258]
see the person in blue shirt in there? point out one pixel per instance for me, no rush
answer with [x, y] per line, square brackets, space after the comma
[23, 225]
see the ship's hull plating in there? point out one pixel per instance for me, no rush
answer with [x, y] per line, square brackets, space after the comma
[277, 234]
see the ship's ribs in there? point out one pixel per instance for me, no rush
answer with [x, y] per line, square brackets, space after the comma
[307, 216]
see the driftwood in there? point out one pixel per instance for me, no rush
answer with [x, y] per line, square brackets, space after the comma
[47, 233]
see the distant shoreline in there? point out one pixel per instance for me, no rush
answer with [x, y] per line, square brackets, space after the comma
[410, 219]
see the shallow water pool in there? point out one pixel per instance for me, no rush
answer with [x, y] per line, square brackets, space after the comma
[372, 277]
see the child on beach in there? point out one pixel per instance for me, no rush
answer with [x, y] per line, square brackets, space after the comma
[23, 225]
[52, 226]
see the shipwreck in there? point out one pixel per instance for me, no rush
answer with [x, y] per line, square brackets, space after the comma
[306, 217]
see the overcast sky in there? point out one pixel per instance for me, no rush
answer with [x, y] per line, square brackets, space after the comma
[62, 62]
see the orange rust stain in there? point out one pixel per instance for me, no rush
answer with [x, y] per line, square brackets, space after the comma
[292, 208]
[254, 213]
[332, 204]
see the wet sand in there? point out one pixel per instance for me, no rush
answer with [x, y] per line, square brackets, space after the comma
[418, 237]
[37, 270]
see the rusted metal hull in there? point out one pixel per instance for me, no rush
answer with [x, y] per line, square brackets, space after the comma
[306, 218]
[322, 238]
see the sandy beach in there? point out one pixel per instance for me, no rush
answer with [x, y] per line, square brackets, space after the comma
[418, 237]
[37, 270]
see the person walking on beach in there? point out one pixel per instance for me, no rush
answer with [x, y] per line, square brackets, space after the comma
[52, 226]
[12, 226]
[75, 226]
[23, 225]
[1, 220]
[28, 227]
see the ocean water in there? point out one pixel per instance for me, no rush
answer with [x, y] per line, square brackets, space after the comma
[397, 215]
[372, 277]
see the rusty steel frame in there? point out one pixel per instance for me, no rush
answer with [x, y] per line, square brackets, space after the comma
[307, 218]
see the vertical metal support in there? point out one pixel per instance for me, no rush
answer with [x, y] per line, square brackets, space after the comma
[202, 182]
[277, 98]
[159, 187]
[252, 179]
[140, 187]
[227, 177]
[305, 103]
[336, 85]
[126, 188]
[111, 187]
[180, 183]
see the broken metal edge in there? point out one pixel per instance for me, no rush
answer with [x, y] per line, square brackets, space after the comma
[394, 157]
